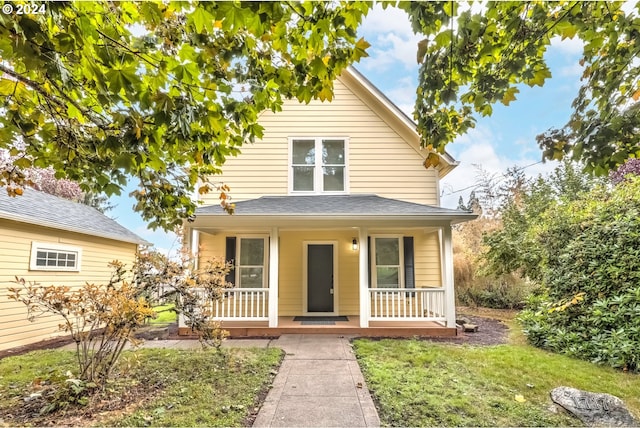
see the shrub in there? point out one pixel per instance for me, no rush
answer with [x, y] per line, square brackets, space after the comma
[590, 307]
[101, 319]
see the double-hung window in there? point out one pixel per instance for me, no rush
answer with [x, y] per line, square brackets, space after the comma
[387, 261]
[55, 257]
[248, 255]
[318, 165]
[392, 262]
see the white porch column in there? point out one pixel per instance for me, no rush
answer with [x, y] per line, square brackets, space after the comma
[363, 276]
[273, 277]
[195, 245]
[447, 276]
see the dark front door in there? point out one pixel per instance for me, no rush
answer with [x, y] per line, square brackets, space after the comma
[320, 278]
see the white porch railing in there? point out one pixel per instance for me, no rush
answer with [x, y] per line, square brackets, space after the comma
[242, 304]
[415, 304]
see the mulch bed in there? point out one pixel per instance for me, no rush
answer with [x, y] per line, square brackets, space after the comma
[490, 332]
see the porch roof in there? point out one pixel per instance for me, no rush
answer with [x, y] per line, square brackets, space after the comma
[327, 207]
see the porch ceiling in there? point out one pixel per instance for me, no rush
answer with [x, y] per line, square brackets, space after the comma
[322, 211]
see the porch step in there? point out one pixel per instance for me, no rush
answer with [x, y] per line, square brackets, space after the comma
[238, 332]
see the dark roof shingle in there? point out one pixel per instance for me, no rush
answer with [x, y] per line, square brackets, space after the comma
[40, 208]
[330, 205]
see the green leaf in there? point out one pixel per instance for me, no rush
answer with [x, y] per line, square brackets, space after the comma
[201, 19]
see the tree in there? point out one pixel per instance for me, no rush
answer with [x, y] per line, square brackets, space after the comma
[630, 167]
[45, 180]
[514, 248]
[472, 59]
[161, 93]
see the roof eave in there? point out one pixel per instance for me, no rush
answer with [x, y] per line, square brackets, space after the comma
[321, 220]
[401, 118]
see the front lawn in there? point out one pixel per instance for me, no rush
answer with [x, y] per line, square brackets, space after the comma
[423, 383]
[155, 387]
[166, 314]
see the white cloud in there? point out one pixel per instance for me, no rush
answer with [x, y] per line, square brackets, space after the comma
[573, 46]
[392, 39]
[573, 71]
[389, 20]
[478, 150]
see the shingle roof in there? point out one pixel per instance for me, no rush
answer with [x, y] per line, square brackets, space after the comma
[332, 205]
[46, 210]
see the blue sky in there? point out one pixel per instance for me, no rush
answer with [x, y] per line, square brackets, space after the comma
[505, 139]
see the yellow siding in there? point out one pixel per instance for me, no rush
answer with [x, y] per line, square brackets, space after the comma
[15, 252]
[291, 264]
[380, 161]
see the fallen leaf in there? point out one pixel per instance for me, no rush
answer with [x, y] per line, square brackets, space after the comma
[519, 398]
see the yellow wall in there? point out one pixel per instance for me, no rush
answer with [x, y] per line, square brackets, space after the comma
[15, 252]
[380, 161]
[291, 264]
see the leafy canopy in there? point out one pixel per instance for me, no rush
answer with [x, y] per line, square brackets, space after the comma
[476, 56]
[161, 92]
[164, 92]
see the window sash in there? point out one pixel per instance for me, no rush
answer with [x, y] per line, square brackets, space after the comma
[387, 267]
[250, 271]
[55, 257]
[328, 173]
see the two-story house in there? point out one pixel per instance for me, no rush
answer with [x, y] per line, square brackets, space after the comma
[336, 217]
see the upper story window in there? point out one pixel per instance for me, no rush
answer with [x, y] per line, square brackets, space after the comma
[55, 257]
[318, 165]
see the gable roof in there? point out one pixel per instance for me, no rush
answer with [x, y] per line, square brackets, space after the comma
[336, 206]
[42, 209]
[394, 117]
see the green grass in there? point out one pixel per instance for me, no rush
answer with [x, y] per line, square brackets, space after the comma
[422, 383]
[166, 315]
[168, 387]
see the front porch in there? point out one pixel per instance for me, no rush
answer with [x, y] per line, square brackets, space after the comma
[387, 264]
[287, 325]
[389, 313]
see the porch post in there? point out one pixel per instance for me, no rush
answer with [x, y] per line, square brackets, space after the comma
[273, 277]
[195, 245]
[364, 278]
[447, 276]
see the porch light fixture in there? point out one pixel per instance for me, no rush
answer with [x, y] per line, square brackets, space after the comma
[354, 244]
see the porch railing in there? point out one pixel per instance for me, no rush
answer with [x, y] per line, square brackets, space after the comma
[242, 304]
[415, 304]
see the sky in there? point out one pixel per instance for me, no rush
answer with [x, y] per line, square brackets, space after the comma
[503, 140]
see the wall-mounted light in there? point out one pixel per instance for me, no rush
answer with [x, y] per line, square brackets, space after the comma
[354, 244]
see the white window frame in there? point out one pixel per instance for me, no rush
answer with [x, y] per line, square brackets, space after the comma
[265, 260]
[318, 176]
[56, 248]
[374, 270]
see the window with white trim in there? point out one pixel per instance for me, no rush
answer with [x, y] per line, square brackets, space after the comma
[387, 266]
[251, 266]
[55, 257]
[318, 165]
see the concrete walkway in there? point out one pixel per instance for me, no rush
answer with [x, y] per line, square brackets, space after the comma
[319, 385]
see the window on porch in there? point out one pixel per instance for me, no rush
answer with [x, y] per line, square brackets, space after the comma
[392, 264]
[249, 258]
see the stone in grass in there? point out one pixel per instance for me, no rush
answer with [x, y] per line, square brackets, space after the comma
[470, 328]
[592, 408]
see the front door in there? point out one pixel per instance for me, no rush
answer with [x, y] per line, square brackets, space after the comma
[320, 278]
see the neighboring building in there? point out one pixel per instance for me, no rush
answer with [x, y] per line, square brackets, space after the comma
[53, 241]
[336, 215]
